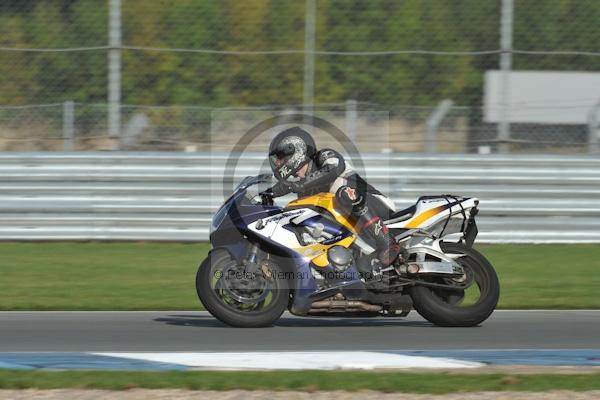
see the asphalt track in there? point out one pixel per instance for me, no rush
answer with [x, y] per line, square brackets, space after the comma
[176, 331]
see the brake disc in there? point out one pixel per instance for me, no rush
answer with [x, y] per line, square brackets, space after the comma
[243, 287]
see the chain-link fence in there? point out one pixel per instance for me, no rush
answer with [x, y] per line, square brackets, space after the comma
[148, 74]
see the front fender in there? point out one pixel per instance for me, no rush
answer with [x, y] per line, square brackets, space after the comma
[236, 251]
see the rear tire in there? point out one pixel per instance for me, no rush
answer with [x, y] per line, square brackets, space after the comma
[437, 307]
[265, 315]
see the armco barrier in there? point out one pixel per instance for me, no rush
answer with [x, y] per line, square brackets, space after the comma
[172, 196]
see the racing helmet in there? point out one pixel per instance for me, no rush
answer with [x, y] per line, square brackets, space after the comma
[289, 151]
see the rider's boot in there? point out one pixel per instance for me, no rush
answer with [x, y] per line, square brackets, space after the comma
[387, 249]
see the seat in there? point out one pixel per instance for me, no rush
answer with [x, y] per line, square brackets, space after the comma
[402, 215]
[409, 212]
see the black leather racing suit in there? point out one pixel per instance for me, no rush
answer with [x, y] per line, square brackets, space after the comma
[328, 172]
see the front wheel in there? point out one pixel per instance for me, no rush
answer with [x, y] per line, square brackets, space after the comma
[467, 307]
[237, 298]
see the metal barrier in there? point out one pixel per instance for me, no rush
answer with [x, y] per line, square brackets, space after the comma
[172, 196]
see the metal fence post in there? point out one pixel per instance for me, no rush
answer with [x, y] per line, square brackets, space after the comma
[114, 72]
[594, 129]
[68, 125]
[433, 125]
[351, 119]
[309, 55]
[506, 42]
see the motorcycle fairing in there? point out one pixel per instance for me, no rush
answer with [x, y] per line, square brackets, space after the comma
[327, 202]
[431, 210]
[233, 230]
[230, 223]
[283, 228]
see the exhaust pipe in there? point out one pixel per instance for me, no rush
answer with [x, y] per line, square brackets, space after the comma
[343, 305]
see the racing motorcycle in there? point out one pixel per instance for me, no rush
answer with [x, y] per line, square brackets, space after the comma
[308, 257]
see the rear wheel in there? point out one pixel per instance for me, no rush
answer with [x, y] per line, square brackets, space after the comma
[237, 298]
[467, 307]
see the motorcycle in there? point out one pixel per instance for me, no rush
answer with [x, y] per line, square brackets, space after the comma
[308, 257]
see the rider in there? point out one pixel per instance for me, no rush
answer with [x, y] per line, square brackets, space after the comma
[301, 169]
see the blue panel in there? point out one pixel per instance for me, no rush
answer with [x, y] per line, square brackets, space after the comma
[11, 365]
[587, 358]
[79, 361]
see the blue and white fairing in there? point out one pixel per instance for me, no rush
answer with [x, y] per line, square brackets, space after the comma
[234, 227]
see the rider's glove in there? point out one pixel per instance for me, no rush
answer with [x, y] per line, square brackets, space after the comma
[281, 189]
[266, 196]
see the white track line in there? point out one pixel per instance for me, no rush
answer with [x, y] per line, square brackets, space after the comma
[326, 360]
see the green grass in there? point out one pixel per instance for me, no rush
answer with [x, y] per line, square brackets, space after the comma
[298, 380]
[160, 276]
[546, 276]
[99, 276]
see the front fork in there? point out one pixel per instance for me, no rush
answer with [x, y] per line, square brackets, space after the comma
[250, 264]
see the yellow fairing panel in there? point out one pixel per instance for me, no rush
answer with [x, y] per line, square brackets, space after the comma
[424, 216]
[318, 252]
[326, 201]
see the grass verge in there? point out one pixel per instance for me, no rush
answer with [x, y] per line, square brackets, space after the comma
[99, 276]
[160, 276]
[297, 380]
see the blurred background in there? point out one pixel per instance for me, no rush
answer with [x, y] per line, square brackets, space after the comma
[464, 76]
[111, 111]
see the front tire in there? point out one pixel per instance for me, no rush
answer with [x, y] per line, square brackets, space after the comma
[244, 314]
[446, 308]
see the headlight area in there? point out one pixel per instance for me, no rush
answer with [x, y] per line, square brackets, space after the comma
[218, 219]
